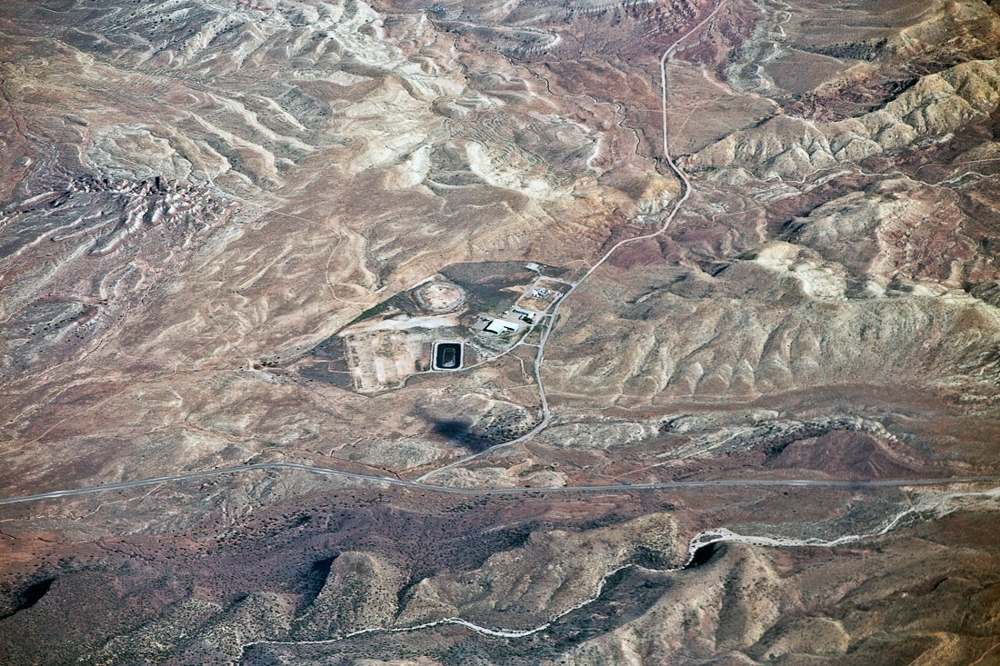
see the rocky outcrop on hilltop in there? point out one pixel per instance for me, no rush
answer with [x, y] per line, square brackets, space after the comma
[77, 255]
[360, 592]
[790, 148]
[899, 229]
[722, 607]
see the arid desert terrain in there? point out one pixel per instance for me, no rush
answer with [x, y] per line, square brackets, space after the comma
[466, 332]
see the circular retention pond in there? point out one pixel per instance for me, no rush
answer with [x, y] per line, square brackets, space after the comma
[439, 296]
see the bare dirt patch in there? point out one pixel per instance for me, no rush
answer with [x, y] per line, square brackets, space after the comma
[439, 296]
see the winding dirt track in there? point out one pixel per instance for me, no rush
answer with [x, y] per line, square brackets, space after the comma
[551, 316]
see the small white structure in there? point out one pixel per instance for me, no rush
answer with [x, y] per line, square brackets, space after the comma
[541, 292]
[526, 315]
[498, 326]
[532, 266]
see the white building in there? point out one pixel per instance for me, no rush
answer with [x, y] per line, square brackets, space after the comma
[498, 326]
[526, 315]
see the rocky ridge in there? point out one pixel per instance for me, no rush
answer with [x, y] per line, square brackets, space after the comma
[786, 148]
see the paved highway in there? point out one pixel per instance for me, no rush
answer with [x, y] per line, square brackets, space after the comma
[417, 485]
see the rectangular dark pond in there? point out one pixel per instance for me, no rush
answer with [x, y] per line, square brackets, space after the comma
[448, 356]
